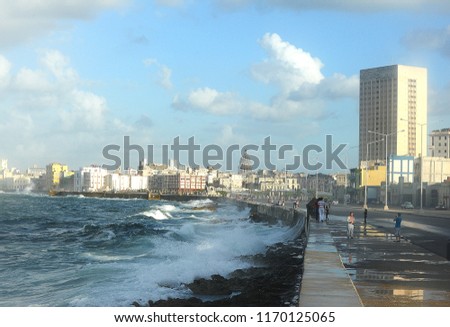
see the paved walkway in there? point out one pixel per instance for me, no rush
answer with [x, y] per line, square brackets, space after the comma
[370, 270]
[325, 280]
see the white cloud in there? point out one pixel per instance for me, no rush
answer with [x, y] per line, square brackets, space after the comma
[59, 66]
[23, 20]
[287, 66]
[164, 75]
[333, 87]
[302, 88]
[31, 80]
[211, 101]
[88, 109]
[48, 115]
[5, 68]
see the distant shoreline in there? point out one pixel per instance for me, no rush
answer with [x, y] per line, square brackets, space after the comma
[133, 195]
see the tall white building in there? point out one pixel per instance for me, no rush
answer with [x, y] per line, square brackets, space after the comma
[392, 99]
[90, 179]
[440, 143]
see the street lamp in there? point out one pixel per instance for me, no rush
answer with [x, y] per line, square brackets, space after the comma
[367, 164]
[421, 160]
[386, 183]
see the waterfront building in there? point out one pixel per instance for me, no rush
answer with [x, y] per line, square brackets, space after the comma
[401, 168]
[35, 172]
[54, 172]
[117, 182]
[138, 183]
[374, 175]
[174, 181]
[16, 183]
[435, 170]
[192, 182]
[392, 99]
[341, 179]
[440, 143]
[229, 181]
[90, 179]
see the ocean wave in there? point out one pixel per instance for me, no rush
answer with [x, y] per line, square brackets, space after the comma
[157, 214]
[198, 203]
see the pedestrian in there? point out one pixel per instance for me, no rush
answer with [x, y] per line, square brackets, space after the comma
[365, 216]
[327, 211]
[321, 204]
[398, 226]
[350, 225]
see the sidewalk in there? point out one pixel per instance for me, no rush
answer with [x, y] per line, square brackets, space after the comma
[370, 270]
[325, 280]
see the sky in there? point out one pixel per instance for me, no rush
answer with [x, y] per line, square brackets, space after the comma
[79, 76]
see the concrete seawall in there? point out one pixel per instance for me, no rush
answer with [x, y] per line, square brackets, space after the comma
[273, 214]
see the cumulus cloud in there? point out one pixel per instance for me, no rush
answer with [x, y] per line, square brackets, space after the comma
[302, 88]
[47, 112]
[431, 39]
[209, 100]
[23, 20]
[31, 80]
[5, 68]
[164, 75]
[286, 66]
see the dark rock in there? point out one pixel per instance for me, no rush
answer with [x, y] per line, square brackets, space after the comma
[274, 280]
[217, 285]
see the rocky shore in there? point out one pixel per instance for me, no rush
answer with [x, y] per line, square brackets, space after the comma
[273, 281]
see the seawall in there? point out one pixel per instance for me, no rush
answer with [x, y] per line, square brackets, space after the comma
[112, 195]
[273, 214]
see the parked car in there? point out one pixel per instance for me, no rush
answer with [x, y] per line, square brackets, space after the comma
[407, 205]
[440, 207]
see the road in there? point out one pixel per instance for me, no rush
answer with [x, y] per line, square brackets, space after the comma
[428, 228]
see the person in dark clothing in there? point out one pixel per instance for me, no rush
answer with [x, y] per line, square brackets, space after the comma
[398, 226]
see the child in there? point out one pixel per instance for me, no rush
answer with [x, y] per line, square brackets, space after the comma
[350, 225]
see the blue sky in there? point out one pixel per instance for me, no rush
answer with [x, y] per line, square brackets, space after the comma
[76, 76]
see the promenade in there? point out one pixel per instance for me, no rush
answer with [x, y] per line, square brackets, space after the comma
[370, 270]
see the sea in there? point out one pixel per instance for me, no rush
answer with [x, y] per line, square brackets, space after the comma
[79, 251]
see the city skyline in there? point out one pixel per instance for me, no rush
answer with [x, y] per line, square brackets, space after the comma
[77, 77]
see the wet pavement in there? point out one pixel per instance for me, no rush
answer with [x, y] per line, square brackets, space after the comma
[370, 269]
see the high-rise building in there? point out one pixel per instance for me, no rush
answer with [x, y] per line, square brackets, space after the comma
[392, 102]
[440, 143]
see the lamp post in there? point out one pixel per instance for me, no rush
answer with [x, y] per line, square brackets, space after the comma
[367, 164]
[317, 185]
[386, 183]
[421, 161]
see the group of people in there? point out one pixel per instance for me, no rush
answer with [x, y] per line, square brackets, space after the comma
[351, 225]
[319, 209]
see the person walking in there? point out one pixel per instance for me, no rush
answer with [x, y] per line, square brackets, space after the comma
[321, 204]
[350, 225]
[365, 216]
[398, 226]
